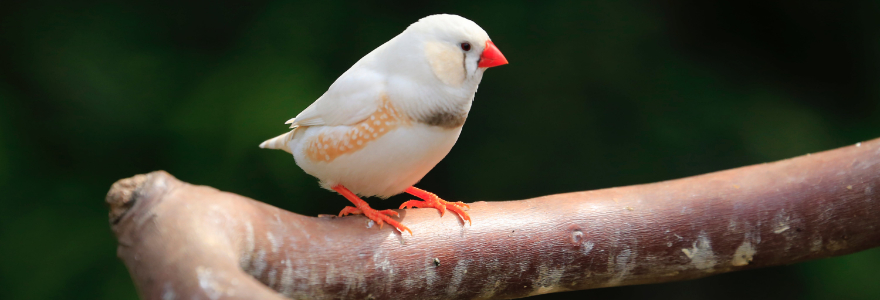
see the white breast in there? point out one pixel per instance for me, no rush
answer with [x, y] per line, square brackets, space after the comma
[384, 166]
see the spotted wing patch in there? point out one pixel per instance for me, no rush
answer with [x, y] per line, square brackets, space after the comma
[331, 144]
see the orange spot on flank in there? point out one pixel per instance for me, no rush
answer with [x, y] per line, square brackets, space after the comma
[327, 146]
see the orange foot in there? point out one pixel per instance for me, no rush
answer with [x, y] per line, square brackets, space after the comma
[432, 200]
[379, 216]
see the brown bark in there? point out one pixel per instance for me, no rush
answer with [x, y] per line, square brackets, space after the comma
[182, 241]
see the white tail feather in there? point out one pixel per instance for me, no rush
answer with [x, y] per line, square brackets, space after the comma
[279, 142]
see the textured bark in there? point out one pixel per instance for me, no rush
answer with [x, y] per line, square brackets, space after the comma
[182, 241]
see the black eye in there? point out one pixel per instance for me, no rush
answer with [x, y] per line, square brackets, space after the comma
[466, 46]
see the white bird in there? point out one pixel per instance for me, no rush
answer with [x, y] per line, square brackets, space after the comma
[394, 115]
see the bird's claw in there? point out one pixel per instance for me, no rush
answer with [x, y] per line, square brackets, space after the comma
[441, 205]
[379, 216]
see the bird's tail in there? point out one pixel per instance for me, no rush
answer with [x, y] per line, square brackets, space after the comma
[281, 142]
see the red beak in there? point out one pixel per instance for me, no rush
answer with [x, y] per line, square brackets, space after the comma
[491, 56]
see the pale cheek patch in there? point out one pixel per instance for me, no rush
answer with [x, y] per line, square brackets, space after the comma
[328, 146]
[447, 62]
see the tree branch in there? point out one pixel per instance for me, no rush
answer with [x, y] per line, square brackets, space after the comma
[182, 241]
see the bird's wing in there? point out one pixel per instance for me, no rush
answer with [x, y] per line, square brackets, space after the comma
[349, 100]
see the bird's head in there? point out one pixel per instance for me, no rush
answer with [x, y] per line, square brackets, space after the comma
[456, 49]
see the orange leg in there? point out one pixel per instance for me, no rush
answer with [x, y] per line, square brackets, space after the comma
[432, 200]
[379, 216]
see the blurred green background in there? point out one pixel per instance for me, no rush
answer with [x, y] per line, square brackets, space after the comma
[598, 94]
